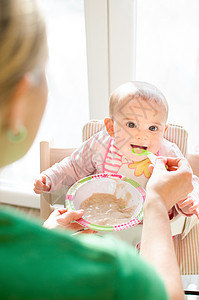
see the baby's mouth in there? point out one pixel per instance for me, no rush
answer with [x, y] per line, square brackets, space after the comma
[140, 147]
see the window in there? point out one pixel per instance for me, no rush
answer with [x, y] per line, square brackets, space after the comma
[167, 55]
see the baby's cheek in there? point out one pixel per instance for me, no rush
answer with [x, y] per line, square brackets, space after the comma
[156, 144]
[154, 150]
[122, 139]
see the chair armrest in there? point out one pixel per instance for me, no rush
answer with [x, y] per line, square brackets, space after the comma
[177, 224]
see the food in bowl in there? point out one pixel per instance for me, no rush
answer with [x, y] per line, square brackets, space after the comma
[106, 209]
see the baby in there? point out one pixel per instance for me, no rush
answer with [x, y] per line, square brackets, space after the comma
[138, 120]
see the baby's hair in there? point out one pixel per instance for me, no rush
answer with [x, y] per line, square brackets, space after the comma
[135, 90]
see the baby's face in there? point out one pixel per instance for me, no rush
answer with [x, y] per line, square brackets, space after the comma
[139, 124]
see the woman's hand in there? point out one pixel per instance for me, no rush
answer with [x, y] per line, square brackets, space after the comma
[65, 219]
[172, 184]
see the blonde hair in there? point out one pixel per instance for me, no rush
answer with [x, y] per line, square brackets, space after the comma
[23, 46]
[136, 89]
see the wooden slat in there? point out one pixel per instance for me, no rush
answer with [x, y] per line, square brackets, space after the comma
[57, 154]
[187, 251]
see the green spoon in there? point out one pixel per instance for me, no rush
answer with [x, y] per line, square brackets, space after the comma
[150, 155]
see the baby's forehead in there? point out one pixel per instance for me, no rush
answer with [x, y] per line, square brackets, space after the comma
[130, 103]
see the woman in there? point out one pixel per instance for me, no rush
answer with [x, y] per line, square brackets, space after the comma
[37, 263]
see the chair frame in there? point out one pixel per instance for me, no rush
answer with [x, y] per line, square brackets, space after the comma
[48, 157]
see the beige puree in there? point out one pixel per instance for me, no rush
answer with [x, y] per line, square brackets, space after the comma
[106, 209]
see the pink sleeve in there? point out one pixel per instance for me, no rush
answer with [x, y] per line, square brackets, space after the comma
[80, 164]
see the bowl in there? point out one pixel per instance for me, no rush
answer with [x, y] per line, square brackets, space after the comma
[114, 184]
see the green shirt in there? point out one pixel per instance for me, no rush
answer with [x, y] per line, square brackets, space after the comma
[36, 263]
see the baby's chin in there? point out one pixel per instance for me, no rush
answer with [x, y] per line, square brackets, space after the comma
[138, 157]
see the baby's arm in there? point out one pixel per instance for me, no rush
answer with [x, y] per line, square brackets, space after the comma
[64, 173]
[80, 164]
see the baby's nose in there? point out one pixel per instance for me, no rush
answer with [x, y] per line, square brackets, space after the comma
[141, 135]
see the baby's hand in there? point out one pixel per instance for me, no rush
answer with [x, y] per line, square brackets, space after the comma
[42, 184]
[190, 205]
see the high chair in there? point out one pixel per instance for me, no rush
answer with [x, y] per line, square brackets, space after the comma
[180, 225]
[50, 155]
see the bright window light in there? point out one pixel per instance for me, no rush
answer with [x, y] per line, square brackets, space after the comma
[167, 55]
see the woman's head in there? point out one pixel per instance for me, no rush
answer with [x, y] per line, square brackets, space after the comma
[23, 89]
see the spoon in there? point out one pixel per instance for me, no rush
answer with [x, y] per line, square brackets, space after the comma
[150, 155]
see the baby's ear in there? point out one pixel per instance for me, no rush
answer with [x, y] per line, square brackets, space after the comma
[166, 127]
[108, 122]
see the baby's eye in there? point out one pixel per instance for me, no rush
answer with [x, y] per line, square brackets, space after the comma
[131, 125]
[153, 128]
